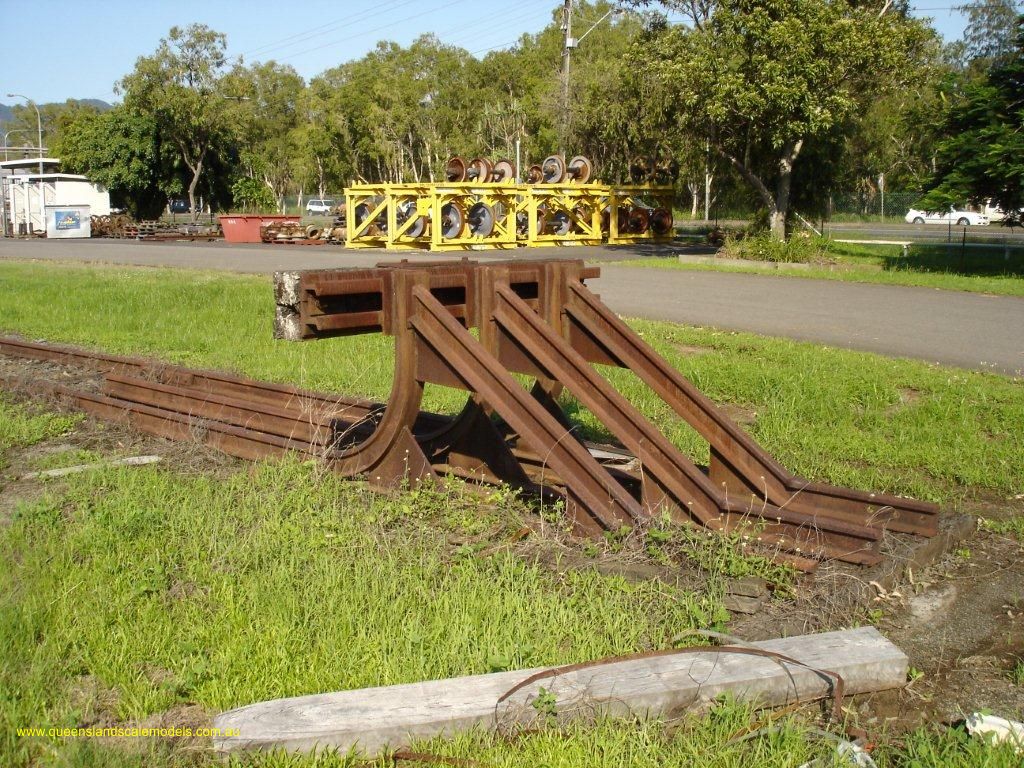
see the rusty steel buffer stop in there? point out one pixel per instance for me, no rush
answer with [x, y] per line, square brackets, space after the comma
[540, 319]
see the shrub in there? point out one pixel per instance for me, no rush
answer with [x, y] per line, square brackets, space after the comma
[800, 248]
[251, 195]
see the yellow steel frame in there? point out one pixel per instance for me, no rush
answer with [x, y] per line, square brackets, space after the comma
[581, 203]
[384, 201]
[637, 195]
[503, 200]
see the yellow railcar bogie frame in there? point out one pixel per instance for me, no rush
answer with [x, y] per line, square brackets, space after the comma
[568, 199]
[637, 196]
[581, 203]
[468, 194]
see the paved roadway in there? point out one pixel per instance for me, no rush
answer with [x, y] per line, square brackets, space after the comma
[968, 330]
[926, 233]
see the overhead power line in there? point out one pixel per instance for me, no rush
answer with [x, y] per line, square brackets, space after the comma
[381, 28]
[325, 29]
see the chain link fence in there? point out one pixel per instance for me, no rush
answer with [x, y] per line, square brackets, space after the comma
[738, 204]
[871, 206]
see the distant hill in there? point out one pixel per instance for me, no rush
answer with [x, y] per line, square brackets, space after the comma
[101, 105]
[7, 110]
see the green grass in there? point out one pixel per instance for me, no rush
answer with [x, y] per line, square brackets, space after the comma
[65, 458]
[848, 417]
[26, 425]
[299, 583]
[930, 266]
[1011, 526]
[128, 592]
[1017, 675]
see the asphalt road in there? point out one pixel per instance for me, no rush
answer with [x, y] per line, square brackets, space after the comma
[926, 233]
[968, 330]
[962, 329]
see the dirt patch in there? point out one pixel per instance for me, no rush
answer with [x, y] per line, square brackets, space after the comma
[190, 716]
[908, 396]
[687, 349]
[994, 507]
[22, 380]
[95, 703]
[742, 415]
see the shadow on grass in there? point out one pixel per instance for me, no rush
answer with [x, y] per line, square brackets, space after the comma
[953, 258]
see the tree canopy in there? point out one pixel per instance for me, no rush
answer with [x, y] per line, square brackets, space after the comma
[766, 103]
[763, 80]
[179, 87]
[982, 155]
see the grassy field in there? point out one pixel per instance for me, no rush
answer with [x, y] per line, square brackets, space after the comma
[125, 597]
[147, 594]
[931, 266]
[127, 603]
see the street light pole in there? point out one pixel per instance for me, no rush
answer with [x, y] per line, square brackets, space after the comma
[6, 145]
[39, 124]
[568, 43]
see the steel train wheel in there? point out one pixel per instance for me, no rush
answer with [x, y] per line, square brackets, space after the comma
[503, 170]
[580, 169]
[481, 220]
[453, 220]
[661, 221]
[553, 169]
[455, 170]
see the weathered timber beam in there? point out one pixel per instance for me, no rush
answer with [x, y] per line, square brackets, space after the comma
[374, 720]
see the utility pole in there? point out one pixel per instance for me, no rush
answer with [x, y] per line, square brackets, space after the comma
[568, 43]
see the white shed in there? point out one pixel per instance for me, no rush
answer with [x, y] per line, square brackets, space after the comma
[24, 194]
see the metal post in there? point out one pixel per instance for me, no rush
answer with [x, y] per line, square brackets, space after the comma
[519, 160]
[707, 179]
[42, 203]
[3, 204]
[881, 191]
[14, 209]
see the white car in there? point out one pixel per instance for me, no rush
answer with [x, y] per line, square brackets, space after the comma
[319, 205]
[958, 217]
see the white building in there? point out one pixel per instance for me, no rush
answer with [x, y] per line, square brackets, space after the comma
[25, 193]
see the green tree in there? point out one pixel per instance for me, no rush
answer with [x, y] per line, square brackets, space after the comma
[179, 88]
[401, 111]
[264, 112]
[250, 195]
[120, 149]
[982, 154]
[52, 118]
[761, 80]
[323, 157]
[989, 34]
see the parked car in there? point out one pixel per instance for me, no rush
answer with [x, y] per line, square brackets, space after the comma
[179, 206]
[1011, 218]
[319, 205]
[955, 215]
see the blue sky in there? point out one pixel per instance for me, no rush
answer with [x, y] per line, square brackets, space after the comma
[89, 46]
